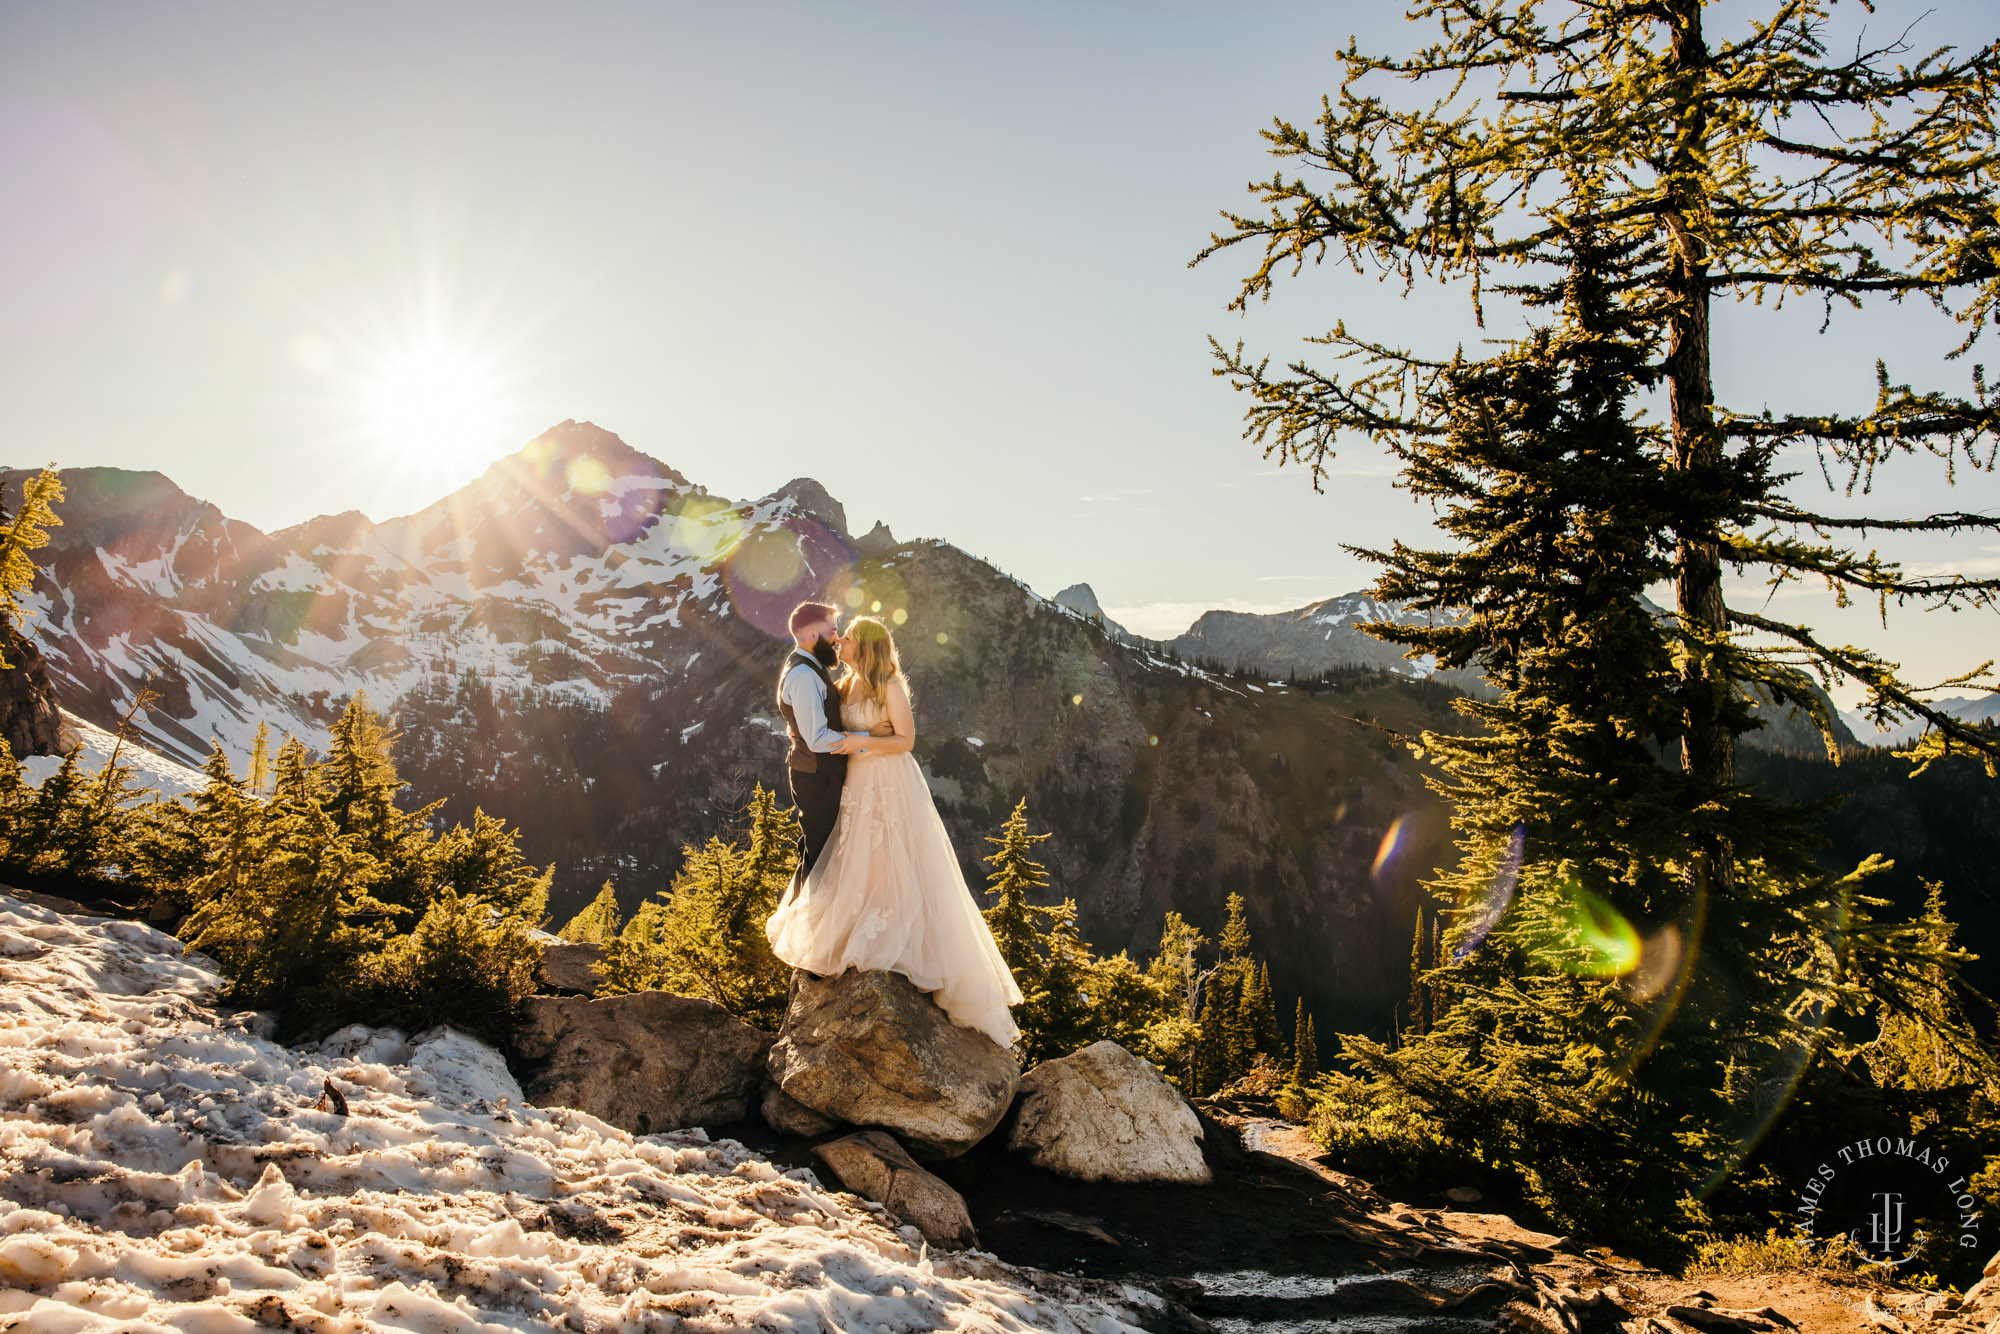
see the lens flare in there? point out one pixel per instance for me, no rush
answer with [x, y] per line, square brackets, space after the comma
[1587, 936]
[1394, 844]
[775, 566]
[768, 561]
[705, 528]
[1659, 962]
[589, 475]
[1484, 913]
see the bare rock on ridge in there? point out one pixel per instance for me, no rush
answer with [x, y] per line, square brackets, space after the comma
[646, 1062]
[869, 1049]
[874, 1166]
[1102, 1114]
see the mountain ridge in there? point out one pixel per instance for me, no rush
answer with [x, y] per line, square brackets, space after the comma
[585, 642]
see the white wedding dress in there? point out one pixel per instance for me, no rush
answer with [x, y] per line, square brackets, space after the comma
[887, 893]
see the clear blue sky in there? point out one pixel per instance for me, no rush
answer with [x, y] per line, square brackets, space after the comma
[932, 254]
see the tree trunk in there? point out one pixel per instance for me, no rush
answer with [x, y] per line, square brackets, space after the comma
[1708, 748]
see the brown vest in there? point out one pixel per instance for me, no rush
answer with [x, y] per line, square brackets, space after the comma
[801, 757]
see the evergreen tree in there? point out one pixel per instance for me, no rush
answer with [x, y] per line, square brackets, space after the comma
[704, 935]
[1011, 919]
[1211, 1051]
[1414, 1009]
[1262, 1009]
[1305, 1060]
[27, 531]
[598, 922]
[1631, 1002]
[1649, 946]
[1063, 1016]
[259, 777]
[359, 786]
[1755, 168]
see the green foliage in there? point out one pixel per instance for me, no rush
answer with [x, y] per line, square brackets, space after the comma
[598, 922]
[704, 935]
[1774, 1253]
[27, 531]
[76, 826]
[1305, 1048]
[1072, 997]
[323, 898]
[1640, 961]
[320, 897]
[464, 964]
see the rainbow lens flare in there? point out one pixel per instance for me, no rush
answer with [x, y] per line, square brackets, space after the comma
[1481, 915]
[1395, 843]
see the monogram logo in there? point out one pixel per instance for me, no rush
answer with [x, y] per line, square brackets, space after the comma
[1888, 1196]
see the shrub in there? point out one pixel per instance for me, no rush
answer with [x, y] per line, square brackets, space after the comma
[704, 936]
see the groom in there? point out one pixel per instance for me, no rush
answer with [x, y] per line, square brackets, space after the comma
[811, 708]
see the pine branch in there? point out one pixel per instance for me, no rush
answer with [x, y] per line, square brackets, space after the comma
[1889, 699]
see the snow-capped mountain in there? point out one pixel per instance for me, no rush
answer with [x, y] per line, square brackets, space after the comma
[1319, 637]
[1965, 708]
[586, 642]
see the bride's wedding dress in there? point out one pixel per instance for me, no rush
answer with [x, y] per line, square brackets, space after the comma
[887, 893]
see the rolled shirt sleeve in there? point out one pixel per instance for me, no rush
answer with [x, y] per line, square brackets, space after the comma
[806, 693]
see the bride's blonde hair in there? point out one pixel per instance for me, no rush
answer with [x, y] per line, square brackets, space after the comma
[875, 660]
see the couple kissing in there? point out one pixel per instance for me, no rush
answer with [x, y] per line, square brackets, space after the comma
[878, 884]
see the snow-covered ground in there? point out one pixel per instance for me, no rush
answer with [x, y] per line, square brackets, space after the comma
[149, 768]
[163, 1169]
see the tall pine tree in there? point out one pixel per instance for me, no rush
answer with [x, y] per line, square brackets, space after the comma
[1642, 956]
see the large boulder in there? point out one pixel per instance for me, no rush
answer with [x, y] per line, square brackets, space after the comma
[874, 1166]
[1102, 1114]
[645, 1062]
[869, 1049]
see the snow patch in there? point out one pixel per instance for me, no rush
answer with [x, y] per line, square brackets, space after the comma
[161, 1169]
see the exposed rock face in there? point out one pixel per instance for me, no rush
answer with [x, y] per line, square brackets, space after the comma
[789, 1116]
[874, 1166]
[1102, 1114]
[647, 1062]
[1083, 598]
[869, 1049]
[30, 719]
[571, 969]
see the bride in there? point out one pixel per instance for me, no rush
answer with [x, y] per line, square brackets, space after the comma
[887, 892]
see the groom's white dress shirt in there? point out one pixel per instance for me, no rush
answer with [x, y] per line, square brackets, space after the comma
[805, 691]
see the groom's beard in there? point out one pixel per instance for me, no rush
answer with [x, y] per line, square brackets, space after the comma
[828, 655]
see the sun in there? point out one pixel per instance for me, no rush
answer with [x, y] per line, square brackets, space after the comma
[433, 404]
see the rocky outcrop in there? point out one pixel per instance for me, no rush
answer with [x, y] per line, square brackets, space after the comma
[1082, 599]
[646, 1062]
[30, 719]
[869, 1049]
[571, 969]
[875, 1167]
[1102, 1114]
